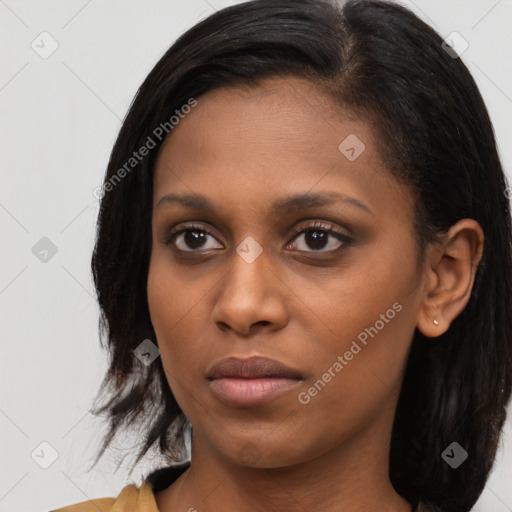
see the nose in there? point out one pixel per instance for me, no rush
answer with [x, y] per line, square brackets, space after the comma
[251, 297]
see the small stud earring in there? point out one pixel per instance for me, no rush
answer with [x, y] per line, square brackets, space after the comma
[436, 322]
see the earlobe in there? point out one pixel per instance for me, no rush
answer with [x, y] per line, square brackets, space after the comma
[450, 277]
[431, 323]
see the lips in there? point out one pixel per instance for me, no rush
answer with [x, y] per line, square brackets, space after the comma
[251, 382]
[255, 367]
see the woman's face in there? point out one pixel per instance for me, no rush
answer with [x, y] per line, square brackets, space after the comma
[249, 279]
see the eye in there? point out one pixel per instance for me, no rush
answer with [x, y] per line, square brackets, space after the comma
[318, 236]
[190, 239]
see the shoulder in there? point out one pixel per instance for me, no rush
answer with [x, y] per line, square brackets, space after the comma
[94, 505]
[130, 499]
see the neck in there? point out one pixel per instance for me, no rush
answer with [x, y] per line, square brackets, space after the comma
[354, 476]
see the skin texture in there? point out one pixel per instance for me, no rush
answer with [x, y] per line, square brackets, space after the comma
[297, 302]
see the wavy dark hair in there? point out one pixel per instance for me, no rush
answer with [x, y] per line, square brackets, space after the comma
[379, 61]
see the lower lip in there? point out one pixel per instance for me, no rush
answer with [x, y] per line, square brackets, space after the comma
[239, 392]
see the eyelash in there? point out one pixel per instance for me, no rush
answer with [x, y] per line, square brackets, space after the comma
[318, 226]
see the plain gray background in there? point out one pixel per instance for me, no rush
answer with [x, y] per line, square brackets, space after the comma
[59, 118]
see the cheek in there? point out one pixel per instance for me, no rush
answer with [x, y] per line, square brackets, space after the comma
[359, 362]
[161, 301]
[172, 300]
[176, 311]
[167, 308]
[354, 382]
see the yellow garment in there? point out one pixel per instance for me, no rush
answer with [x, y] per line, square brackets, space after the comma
[142, 499]
[130, 499]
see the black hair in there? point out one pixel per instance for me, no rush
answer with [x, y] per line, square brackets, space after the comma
[380, 61]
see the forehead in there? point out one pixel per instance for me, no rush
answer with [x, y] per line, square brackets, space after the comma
[278, 115]
[283, 134]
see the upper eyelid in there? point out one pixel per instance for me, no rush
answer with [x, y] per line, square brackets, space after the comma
[302, 225]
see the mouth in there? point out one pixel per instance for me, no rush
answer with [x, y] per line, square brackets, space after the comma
[251, 382]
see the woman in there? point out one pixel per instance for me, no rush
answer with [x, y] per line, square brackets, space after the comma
[303, 259]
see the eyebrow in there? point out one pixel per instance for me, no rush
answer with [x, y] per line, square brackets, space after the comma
[285, 205]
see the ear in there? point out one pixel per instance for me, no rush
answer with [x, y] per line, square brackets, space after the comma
[449, 278]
